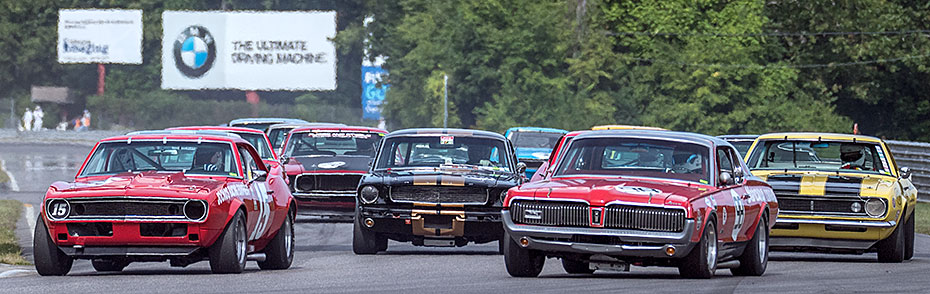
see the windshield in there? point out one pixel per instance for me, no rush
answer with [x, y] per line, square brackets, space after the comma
[636, 157]
[435, 151]
[277, 136]
[258, 140]
[741, 146]
[526, 139]
[820, 156]
[333, 143]
[188, 157]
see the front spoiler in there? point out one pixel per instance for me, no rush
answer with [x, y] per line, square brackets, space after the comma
[558, 239]
[127, 251]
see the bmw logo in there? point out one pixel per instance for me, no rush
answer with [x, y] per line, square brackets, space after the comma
[194, 51]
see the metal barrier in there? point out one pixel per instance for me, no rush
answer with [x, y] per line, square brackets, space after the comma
[916, 156]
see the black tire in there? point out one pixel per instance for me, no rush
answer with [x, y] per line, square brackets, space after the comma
[50, 261]
[755, 256]
[891, 249]
[364, 241]
[909, 237]
[279, 253]
[576, 266]
[108, 265]
[701, 262]
[228, 253]
[522, 262]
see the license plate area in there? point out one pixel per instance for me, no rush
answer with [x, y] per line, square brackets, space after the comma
[438, 221]
[609, 266]
[429, 242]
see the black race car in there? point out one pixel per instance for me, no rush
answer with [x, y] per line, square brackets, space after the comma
[435, 187]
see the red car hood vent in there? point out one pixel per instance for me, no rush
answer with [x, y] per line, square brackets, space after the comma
[601, 191]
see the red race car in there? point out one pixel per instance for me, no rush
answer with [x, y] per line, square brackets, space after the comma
[181, 196]
[648, 198]
[324, 165]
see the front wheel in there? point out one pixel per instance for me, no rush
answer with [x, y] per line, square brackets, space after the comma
[755, 256]
[521, 262]
[701, 263]
[227, 255]
[909, 237]
[892, 248]
[279, 253]
[50, 261]
[364, 241]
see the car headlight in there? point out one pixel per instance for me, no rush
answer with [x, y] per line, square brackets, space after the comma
[369, 194]
[875, 207]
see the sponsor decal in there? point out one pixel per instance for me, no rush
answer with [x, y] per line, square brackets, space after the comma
[84, 47]
[446, 140]
[194, 51]
[231, 191]
[637, 190]
[532, 214]
[339, 135]
[333, 164]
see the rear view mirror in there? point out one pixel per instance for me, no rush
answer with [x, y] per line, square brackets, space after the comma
[726, 179]
[521, 167]
[906, 173]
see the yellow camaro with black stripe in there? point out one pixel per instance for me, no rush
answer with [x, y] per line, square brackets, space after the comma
[837, 193]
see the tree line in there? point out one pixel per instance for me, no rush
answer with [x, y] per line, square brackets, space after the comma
[710, 66]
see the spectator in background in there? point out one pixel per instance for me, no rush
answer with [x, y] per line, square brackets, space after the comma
[85, 120]
[27, 121]
[37, 116]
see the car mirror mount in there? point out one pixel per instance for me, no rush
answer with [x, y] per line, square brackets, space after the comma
[521, 167]
[258, 175]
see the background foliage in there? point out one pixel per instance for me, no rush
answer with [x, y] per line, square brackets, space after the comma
[707, 66]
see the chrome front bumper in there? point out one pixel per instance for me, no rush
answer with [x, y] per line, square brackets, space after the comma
[846, 223]
[558, 239]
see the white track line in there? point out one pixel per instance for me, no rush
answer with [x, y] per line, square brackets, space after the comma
[13, 185]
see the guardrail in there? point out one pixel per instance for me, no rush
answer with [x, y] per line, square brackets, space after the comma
[916, 156]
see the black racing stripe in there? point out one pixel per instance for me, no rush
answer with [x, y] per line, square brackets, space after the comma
[785, 183]
[846, 186]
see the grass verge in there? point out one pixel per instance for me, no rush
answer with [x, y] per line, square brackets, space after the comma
[10, 253]
[923, 218]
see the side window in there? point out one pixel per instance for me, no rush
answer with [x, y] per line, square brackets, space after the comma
[247, 164]
[724, 164]
[738, 166]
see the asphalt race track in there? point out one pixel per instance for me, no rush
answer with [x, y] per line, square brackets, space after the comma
[325, 263]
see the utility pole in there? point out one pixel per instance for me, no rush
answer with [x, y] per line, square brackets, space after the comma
[445, 101]
[12, 113]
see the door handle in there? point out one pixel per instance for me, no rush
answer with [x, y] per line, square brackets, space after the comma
[270, 192]
[745, 196]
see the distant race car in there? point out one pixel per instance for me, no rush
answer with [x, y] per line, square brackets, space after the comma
[180, 196]
[741, 142]
[262, 123]
[641, 197]
[546, 168]
[324, 165]
[278, 132]
[257, 138]
[839, 193]
[533, 145]
[435, 187]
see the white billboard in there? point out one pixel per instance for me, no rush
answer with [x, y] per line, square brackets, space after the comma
[249, 50]
[100, 36]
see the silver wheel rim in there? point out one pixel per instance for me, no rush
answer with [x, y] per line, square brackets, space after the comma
[712, 250]
[763, 244]
[240, 242]
[289, 238]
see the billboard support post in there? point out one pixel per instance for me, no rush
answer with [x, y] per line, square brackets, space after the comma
[445, 101]
[101, 78]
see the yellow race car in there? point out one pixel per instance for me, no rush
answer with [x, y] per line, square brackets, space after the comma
[837, 193]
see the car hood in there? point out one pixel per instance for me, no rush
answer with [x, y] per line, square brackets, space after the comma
[445, 176]
[342, 163]
[533, 153]
[601, 191]
[147, 183]
[824, 183]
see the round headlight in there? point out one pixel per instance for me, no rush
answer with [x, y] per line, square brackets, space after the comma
[875, 207]
[195, 210]
[856, 207]
[369, 194]
[58, 209]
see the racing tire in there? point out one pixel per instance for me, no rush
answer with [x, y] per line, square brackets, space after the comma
[228, 253]
[891, 250]
[107, 265]
[755, 257]
[576, 266]
[909, 237]
[701, 262]
[279, 253]
[50, 261]
[522, 262]
[364, 241]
